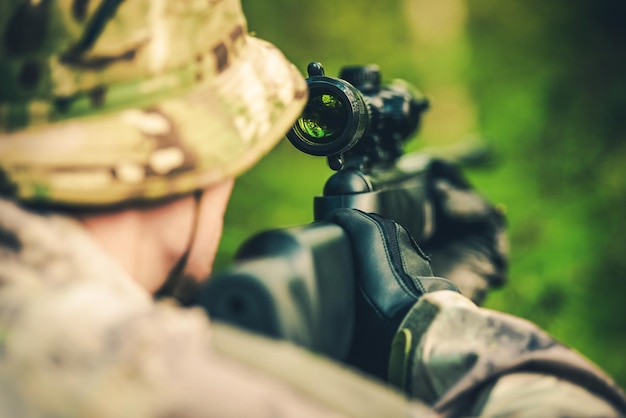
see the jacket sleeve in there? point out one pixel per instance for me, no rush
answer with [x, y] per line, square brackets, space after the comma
[464, 360]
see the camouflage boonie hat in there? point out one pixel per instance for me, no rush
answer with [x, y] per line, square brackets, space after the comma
[107, 101]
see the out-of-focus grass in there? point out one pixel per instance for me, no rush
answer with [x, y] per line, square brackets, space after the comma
[557, 171]
[548, 80]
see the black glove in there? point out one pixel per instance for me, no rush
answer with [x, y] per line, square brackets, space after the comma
[392, 273]
[469, 246]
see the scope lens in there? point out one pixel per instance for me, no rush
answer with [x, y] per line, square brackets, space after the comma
[324, 118]
[334, 119]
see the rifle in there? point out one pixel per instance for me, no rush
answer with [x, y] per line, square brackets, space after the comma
[298, 283]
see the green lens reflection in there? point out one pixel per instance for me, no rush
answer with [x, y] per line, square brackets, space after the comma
[323, 118]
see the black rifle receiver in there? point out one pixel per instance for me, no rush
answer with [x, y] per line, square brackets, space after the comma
[298, 283]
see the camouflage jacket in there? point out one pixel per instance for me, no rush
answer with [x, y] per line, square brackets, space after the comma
[79, 339]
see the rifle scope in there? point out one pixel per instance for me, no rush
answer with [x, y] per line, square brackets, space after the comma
[341, 111]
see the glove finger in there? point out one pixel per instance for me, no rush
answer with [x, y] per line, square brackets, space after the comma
[385, 260]
[462, 205]
[391, 272]
[471, 265]
[470, 245]
[463, 213]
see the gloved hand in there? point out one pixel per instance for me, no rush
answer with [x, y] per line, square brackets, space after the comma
[391, 273]
[469, 246]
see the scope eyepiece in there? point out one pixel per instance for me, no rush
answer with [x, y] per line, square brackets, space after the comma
[356, 107]
[335, 117]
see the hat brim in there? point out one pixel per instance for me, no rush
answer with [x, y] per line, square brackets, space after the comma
[217, 130]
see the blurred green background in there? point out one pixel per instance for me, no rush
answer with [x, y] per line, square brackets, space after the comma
[542, 82]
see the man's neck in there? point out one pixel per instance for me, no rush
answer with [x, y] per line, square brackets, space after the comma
[147, 243]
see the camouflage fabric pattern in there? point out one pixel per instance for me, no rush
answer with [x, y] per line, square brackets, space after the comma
[79, 338]
[470, 361]
[109, 101]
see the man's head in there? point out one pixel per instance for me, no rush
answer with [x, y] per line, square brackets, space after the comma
[113, 104]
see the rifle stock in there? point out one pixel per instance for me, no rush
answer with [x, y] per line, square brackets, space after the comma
[295, 284]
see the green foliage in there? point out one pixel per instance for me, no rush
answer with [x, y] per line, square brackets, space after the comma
[547, 82]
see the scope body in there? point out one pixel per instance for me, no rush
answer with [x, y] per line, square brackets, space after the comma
[355, 119]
